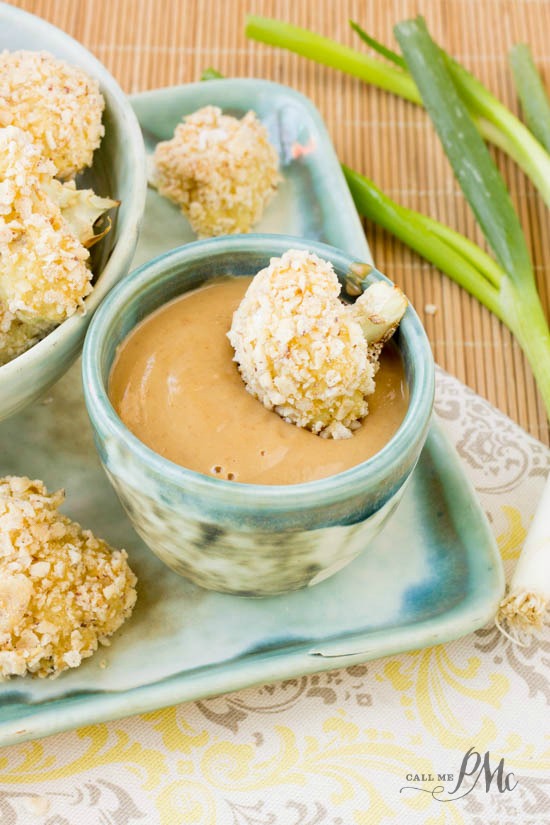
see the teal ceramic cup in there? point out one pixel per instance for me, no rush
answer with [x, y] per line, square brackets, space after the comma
[246, 539]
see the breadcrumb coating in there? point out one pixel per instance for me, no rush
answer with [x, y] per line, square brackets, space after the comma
[58, 104]
[298, 349]
[18, 336]
[62, 591]
[43, 271]
[301, 351]
[219, 170]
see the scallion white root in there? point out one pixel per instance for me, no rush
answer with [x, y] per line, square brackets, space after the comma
[528, 597]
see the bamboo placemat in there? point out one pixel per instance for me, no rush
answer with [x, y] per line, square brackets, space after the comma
[151, 43]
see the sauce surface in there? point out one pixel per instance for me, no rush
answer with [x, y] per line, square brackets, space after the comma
[175, 386]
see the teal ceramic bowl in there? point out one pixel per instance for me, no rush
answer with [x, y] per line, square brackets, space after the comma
[118, 171]
[246, 539]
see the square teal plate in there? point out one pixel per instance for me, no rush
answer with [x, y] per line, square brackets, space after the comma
[433, 574]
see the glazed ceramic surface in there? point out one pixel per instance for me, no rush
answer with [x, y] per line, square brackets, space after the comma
[118, 171]
[431, 575]
[246, 539]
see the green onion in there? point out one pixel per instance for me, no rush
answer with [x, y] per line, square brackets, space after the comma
[493, 120]
[528, 596]
[474, 169]
[497, 124]
[513, 290]
[517, 306]
[389, 54]
[531, 92]
[451, 252]
[481, 182]
[460, 105]
[502, 128]
[211, 74]
[462, 110]
[329, 53]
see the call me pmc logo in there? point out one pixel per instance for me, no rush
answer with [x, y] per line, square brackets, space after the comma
[474, 766]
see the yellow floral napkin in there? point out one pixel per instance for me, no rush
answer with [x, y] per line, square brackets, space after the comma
[458, 733]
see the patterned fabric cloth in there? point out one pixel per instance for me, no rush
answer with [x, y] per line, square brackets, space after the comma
[382, 742]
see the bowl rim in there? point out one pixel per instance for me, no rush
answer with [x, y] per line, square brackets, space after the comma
[128, 226]
[106, 422]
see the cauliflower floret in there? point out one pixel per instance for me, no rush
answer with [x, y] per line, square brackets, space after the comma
[62, 591]
[43, 265]
[378, 311]
[58, 104]
[219, 170]
[302, 352]
[80, 208]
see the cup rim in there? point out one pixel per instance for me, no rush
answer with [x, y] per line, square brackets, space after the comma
[375, 469]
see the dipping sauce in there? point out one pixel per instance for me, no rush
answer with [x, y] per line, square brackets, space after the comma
[175, 386]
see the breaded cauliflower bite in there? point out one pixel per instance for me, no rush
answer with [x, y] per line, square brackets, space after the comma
[59, 105]
[44, 224]
[219, 170]
[304, 353]
[62, 590]
[43, 270]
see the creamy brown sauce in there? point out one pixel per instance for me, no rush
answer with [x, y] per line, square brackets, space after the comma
[175, 386]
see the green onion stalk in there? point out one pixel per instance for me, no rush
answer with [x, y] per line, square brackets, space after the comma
[516, 295]
[493, 120]
[531, 92]
[506, 286]
[462, 109]
[469, 266]
[211, 74]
